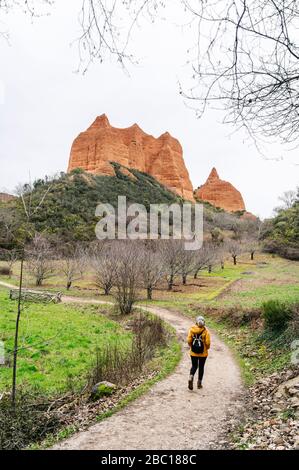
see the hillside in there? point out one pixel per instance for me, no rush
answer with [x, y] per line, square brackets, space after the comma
[68, 210]
[281, 234]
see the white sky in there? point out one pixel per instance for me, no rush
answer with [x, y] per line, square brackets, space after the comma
[44, 104]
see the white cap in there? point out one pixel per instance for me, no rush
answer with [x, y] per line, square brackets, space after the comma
[200, 321]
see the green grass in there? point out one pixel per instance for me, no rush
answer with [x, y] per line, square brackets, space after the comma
[256, 296]
[271, 277]
[243, 341]
[268, 277]
[58, 341]
[278, 279]
[165, 361]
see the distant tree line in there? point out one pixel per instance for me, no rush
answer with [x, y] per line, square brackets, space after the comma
[281, 233]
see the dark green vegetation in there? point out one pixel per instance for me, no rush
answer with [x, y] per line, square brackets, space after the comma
[69, 201]
[276, 315]
[69, 208]
[281, 234]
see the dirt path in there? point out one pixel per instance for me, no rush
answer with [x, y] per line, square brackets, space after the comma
[170, 416]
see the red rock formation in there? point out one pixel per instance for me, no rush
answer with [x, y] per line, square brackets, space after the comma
[220, 193]
[162, 158]
[4, 197]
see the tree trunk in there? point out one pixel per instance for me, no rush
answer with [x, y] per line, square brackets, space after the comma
[222, 265]
[235, 260]
[15, 350]
[251, 256]
[69, 285]
[149, 293]
[184, 279]
[210, 269]
[170, 283]
[107, 288]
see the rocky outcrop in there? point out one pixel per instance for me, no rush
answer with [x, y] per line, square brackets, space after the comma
[162, 158]
[220, 193]
[272, 413]
[4, 197]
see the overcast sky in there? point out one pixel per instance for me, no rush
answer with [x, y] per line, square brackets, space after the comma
[44, 104]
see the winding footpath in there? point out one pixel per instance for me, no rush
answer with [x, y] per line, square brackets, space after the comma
[170, 416]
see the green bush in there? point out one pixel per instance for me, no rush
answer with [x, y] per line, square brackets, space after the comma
[276, 315]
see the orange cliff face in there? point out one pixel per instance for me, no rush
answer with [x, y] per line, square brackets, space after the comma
[4, 197]
[162, 158]
[220, 193]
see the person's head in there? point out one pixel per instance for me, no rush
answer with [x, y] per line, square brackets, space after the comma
[200, 321]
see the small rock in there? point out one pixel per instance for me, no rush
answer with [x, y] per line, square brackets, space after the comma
[278, 440]
[102, 389]
[275, 409]
[294, 402]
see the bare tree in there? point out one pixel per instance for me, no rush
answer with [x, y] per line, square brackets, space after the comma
[127, 275]
[25, 195]
[217, 236]
[252, 245]
[39, 256]
[151, 268]
[235, 249]
[72, 263]
[9, 226]
[222, 252]
[243, 54]
[104, 263]
[204, 258]
[288, 199]
[172, 260]
[187, 262]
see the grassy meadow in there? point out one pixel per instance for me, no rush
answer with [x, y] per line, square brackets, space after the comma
[58, 343]
[249, 283]
[77, 331]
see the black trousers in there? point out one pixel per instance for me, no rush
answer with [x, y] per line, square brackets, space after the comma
[198, 363]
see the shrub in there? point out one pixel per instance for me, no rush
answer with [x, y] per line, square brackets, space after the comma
[5, 271]
[120, 366]
[276, 315]
[235, 315]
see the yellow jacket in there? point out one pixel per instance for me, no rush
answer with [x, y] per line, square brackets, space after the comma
[195, 330]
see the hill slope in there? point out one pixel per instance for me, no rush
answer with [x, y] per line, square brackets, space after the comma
[69, 207]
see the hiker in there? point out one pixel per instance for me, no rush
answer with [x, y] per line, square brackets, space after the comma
[199, 342]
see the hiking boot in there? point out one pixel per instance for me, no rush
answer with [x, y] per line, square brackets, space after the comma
[199, 384]
[190, 382]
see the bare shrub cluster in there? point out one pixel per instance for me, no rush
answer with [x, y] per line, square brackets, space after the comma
[28, 421]
[119, 365]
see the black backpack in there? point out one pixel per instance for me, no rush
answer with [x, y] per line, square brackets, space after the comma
[197, 344]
